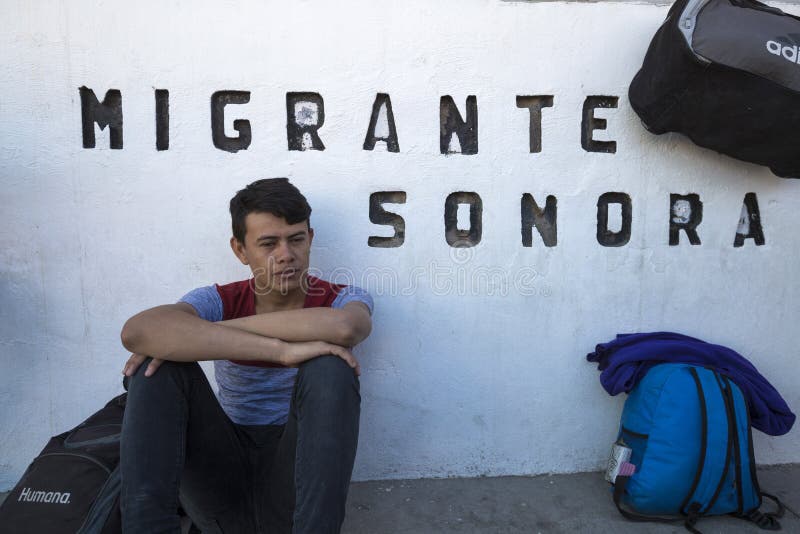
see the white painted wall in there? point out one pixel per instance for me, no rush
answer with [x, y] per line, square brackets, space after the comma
[453, 384]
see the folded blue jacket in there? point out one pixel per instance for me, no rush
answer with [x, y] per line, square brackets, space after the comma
[626, 359]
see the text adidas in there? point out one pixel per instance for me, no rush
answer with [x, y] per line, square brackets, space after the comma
[788, 52]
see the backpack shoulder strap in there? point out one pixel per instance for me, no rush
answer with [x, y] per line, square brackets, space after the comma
[715, 453]
[105, 502]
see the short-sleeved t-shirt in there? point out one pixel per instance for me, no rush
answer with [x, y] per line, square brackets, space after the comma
[258, 393]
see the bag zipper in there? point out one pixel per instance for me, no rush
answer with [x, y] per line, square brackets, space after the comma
[84, 456]
[634, 434]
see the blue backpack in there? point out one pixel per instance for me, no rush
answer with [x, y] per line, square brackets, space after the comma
[688, 429]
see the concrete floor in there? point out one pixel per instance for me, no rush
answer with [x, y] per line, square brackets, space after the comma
[579, 503]
[544, 504]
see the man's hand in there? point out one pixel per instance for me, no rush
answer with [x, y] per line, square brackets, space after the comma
[136, 360]
[297, 353]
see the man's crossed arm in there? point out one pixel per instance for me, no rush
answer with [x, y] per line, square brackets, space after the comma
[175, 332]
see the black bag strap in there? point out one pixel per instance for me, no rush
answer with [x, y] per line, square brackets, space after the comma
[781, 507]
[762, 520]
[103, 505]
[688, 522]
[769, 520]
[784, 505]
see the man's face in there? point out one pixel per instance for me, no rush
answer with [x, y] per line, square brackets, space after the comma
[277, 252]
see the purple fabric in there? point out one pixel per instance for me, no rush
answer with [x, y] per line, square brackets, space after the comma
[626, 359]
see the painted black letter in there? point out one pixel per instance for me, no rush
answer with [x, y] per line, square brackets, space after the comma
[535, 105]
[590, 124]
[463, 238]
[450, 122]
[378, 215]
[604, 236]
[749, 222]
[544, 220]
[162, 119]
[685, 213]
[305, 114]
[109, 113]
[219, 100]
[388, 134]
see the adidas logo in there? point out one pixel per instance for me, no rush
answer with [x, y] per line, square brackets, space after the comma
[55, 497]
[788, 52]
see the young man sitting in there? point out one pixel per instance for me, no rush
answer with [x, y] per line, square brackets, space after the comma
[274, 451]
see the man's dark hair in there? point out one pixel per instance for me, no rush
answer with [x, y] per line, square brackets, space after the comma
[271, 195]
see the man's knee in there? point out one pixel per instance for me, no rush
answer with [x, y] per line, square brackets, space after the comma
[168, 374]
[330, 368]
[329, 378]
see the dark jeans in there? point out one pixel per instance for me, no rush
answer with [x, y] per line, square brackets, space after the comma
[178, 445]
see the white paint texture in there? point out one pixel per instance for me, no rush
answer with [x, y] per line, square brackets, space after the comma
[456, 382]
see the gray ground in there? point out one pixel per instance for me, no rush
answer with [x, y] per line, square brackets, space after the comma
[547, 504]
[579, 503]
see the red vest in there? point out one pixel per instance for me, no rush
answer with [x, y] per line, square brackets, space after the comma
[239, 300]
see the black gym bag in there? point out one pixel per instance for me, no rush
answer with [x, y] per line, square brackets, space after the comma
[73, 485]
[726, 73]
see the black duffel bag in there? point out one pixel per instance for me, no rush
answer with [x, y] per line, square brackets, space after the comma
[726, 73]
[73, 485]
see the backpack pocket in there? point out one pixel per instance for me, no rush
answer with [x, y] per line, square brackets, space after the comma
[55, 494]
[637, 442]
